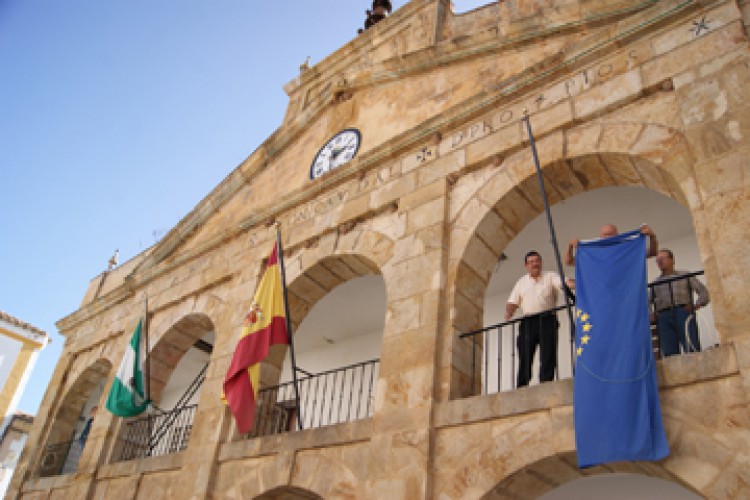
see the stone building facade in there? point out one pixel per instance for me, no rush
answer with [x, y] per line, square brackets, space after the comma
[645, 93]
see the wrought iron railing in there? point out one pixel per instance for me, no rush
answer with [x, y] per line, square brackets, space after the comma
[158, 434]
[494, 355]
[683, 316]
[327, 398]
[166, 431]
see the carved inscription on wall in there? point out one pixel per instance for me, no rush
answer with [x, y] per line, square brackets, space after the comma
[510, 115]
[334, 199]
[506, 116]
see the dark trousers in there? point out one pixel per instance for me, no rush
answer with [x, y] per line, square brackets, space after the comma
[671, 324]
[538, 330]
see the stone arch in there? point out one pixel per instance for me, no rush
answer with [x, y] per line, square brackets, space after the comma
[499, 458]
[489, 208]
[556, 470]
[68, 415]
[171, 346]
[170, 430]
[288, 493]
[317, 284]
[321, 277]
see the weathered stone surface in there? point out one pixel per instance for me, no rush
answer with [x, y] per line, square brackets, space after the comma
[620, 94]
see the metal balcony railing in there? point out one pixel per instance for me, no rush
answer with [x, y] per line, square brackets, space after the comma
[494, 348]
[159, 434]
[327, 398]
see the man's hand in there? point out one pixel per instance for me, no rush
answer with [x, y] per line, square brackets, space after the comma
[646, 229]
[569, 258]
[510, 310]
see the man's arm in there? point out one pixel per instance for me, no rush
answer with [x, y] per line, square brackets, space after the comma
[653, 243]
[569, 258]
[510, 310]
[701, 290]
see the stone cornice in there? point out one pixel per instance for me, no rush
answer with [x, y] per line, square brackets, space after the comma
[116, 296]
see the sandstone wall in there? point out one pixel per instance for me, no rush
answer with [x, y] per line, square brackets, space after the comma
[653, 95]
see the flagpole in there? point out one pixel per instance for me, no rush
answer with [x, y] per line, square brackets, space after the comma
[553, 237]
[288, 325]
[148, 373]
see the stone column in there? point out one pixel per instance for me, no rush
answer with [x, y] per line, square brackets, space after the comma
[42, 423]
[716, 113]
[402, 432]
[212, 419]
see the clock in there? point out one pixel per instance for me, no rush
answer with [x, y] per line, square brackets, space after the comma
[341, 148]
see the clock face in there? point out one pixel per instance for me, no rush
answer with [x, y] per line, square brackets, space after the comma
[341, 148]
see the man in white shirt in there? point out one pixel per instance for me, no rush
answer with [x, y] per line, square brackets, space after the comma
[536, 294]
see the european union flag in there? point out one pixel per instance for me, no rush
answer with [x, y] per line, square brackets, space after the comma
[616, 398]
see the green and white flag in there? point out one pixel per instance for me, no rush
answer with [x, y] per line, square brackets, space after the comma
[127, 395]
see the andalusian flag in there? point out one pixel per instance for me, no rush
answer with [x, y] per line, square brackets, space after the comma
[127, 395]
[264, 326]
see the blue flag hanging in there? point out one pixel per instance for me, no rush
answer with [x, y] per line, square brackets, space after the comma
[616, 398]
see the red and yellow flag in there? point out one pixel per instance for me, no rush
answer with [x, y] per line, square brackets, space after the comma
[264, 326]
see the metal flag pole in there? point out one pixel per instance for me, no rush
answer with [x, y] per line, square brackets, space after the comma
[280, 257]
[147, 374]
[553, 237]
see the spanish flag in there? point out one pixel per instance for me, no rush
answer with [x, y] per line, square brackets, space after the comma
[264, 326]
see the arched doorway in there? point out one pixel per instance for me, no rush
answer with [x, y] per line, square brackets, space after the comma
[580, 216]
[288, 493]
[67, 436]
[507, 207]
[177, 366]
[338, 309]
[557, 477]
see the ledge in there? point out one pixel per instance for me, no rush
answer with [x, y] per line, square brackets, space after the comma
[321, 437]
[137, 466]
[48, 483]
[711, 364]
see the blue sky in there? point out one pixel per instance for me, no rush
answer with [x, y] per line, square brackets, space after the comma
[117, 118]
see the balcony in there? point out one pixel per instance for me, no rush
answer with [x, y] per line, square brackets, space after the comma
[327, 398]
[169, 432]
[332, 397]
[494, 358]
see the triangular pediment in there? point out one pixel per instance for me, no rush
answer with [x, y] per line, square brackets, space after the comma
[413, 74]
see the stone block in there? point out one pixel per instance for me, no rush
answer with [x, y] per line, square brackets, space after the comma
[723, 176]
[390, 224]
[403, 315]
[467, 135]
[393, 190]
[549, 119]
[494, 144]
[442, 167]
[559, 178]
[424, 156]
[615, 92]
[622, 170]
[376, 247]
[480, 258]
[618, 138]
[582, 140]
[421, 196]
[353, 209]
[426, 215]
[710, 46]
